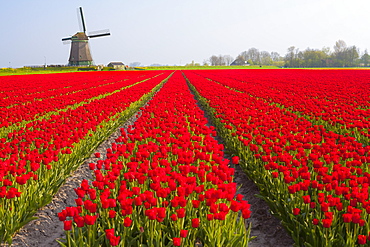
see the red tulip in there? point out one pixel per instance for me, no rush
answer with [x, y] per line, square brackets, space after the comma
[235, 160]
[67, 225]
[183, 233]
[176, 241]
[315, 221]
[114, 240]
[127, 222]
[361, 239]
[296, 211]
[195, 222]
[80, 221]
[89, 219]
[326, 223]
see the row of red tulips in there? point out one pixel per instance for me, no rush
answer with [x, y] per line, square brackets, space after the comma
[339, 100]
[315, 180]
[21, 89]
[164, 183]
[36, 159]
[21, 107]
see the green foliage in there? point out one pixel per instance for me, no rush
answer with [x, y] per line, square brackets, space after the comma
[29, 70]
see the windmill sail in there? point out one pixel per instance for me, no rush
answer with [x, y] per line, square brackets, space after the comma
[82, 20]
[99, 33]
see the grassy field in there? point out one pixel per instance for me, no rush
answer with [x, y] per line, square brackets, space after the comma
[26, 71]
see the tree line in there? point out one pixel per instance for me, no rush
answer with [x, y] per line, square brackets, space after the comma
[341, 56]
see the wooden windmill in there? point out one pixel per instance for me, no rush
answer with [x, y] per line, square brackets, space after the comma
[80, 54]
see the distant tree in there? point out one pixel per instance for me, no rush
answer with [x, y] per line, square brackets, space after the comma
[254, 55]
[213, 60]
[228, 59]
[365, 59]
[344, 56]
[243, 56]
[314, 58]
[352, 56]
[340, 55]
[340, 46]
[326, 50]
[221, 60]
[265, 58]
[298, 58]
[275, 57]
[294, 57]
[290, 56]
[192, 64]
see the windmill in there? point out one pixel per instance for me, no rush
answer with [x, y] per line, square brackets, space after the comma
[80, 54]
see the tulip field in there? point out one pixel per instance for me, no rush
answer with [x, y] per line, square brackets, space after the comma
[302, 136]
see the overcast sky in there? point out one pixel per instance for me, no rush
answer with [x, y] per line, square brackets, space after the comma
[177, 32]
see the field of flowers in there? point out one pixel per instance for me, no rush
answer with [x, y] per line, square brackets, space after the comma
[301, 135]
[303, 138]
[37, 153]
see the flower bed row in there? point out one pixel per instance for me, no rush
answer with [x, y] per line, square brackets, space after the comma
[36, 159]
[20, 89]
[164, 183]
[21, 109]
[314, 180]
[336, 99]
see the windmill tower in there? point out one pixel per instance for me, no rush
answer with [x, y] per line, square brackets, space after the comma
[80, 54]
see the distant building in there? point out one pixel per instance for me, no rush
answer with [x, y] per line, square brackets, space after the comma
[116, 65]
[239, 61]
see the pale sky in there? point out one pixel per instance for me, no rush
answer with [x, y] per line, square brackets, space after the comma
[177, 32]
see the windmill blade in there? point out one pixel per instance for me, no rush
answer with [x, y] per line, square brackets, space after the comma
[99, 33]
[81, 19]
[65, 39]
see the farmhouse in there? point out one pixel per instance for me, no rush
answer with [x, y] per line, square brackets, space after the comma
[239, 61]
[116, 65]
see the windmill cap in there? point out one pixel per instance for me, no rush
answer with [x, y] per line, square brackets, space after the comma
[80, 36]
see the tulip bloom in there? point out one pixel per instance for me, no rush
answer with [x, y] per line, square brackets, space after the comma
[195, 222]
[127, 222]
[176, 241]
[326, 223]
[235, 160]
[361, 239]
[296, 211]
[90, 219]
[67, 225]
[183, 233]
[114, 240]
[80, 221]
